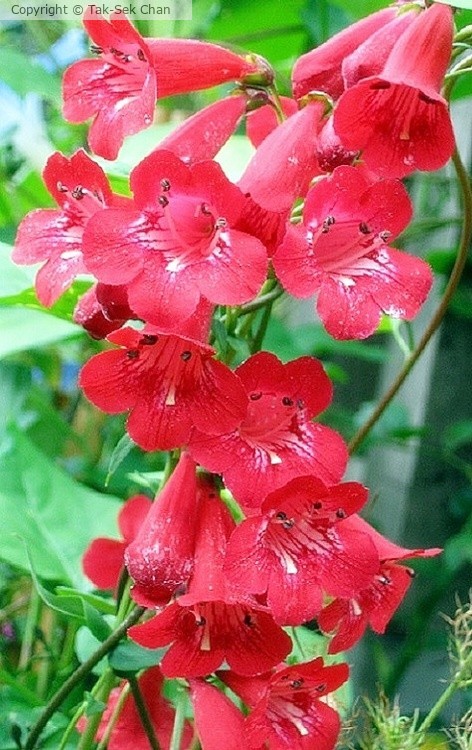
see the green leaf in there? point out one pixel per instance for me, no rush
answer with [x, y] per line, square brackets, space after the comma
[123, 447]
[24, 75]
[131, 657]
[22, 329]
[55, 515]
[106, 606]
[63, 308]
[13, 279]
[458, 434]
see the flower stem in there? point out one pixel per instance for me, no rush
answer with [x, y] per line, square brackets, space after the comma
[179, 721]
[436, 320]
[453, 686]
[143, 713]
[79, 674]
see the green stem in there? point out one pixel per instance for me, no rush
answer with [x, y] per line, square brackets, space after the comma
[143, 713]
[453, 686]
[101, 693]
[179, 721]
[30, 630]
[79, 674]
[114, 718]
[436, 320]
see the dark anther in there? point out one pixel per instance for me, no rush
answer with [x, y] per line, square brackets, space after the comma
[78, 193]
[205, 209]
[385, 235]
[95, 49]
[363, 228]
[114, 51]
[287, 401]
[295, 684]
[200, 621]
[132, 353]
[140, 55]
[165, 185]
[126, 58]
[163, 201]
[328, 222]
[321, 688]
[256, 396]
[300, 403]
[248, 620]
[62, 188]
[281, 516]
[186, 356]
[288, 524]
[340, 513]
[221, 223]
[149, 339]
[317, 505]
[385, 580]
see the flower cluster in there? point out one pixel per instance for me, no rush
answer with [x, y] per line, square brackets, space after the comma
[366, 111]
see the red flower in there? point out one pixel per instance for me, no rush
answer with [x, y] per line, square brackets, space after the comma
[128, 730]
[228, 730]
[276, 440]
[103, 309]
[169, 383]
[342, 251]
[263, 120]
[210, 623]
[287, 712]
[178, 244]
[118, 89]
[160, 558]
[285, 162]
[377, 602]
[320, 69]
[299, 548]
[103, 559]
[81, 188]
[398, 117]
[202, 135]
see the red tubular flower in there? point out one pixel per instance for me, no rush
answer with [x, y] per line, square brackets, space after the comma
[287, 712]
[320, 69]
[370, 57]
[81, 188]
[285, 162]
[330, 151]
[342, 251]
[398, 118]
[118, 89]
[299, 547]
[263, 120]
[103, 309]
[128, 731]
[376, 603]
[210, 623]
[160, 558]
[228, 731]
[185, 65]
[202, 135]
[178, 244]
[103, 559]
[276, 440]
[169, 383]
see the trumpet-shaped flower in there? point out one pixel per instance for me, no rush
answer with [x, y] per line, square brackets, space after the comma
[342, 252]
[178, 244]
[276, 440]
